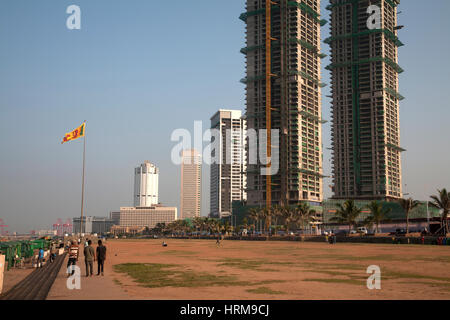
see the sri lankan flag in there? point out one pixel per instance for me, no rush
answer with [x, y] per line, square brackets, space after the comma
[75, 134]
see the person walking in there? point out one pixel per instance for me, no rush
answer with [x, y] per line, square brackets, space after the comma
[40, 258]
[101, 257]
[218, 241]
[73, 257]
[52, 252]
[89, 258]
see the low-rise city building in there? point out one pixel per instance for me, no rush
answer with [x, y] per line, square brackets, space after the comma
[144, 216]
[97, 225]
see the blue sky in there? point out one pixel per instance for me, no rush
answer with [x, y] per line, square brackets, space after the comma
[139, 69]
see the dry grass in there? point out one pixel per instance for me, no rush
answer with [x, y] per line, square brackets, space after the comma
[288, 270]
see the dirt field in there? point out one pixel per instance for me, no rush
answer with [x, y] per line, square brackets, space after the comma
[198, 270]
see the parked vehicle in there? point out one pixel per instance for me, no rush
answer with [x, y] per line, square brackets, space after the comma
[362, 230]
[398, 232]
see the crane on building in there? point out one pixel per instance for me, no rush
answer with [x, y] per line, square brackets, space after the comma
[2, 227]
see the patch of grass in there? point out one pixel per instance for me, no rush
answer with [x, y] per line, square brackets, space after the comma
[330, 272]
[406, 275]
[264, 290]
[266, 270]
[259, 283]
[334, 280]
[339, 266]
[251, 264]
[178, 252]
[442, 259]
[117, 282]
[386, 274]
[152, 275]
[444, 286]
[362, 258]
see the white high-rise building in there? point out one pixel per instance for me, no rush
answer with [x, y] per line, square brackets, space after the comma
[228, 177]
[146, 185]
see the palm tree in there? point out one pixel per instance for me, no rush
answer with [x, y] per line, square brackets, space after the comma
[266, 214]
[277, 213]
[442, 202]
[203, 224]
[197, 223]
[159, 228]
[210, 224]
[245, 223]
[262, 218]
[303, 213]
[377, 214]
[214, 226]
[289, 216]
[254, 214]
[408, 205]
[347, 213]
[315, 220]
[226, 227]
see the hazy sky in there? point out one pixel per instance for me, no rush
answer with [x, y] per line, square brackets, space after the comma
[137, 70]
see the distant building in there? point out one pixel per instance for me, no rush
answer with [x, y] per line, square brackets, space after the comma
[117, 230]
[143, 216]
[191, 188]
[101, 225]
[44, 233]
[418, 217]
[228, 178]
[146, 185]
[93, 224]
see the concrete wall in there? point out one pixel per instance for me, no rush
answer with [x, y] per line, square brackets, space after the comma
[2, 270]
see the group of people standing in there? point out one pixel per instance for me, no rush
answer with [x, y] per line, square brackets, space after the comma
[90, 256]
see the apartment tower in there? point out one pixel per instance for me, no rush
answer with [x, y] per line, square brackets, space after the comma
[365, 99]
[283, 92]
[228, 177]
[191, 174]
[146, 185]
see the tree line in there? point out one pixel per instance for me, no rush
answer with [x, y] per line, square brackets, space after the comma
[348, 213]
[302, 216]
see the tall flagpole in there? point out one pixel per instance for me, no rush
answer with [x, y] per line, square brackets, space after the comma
[82, 179]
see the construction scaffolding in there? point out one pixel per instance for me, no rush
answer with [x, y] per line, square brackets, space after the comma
[284, 93]
[365, 100]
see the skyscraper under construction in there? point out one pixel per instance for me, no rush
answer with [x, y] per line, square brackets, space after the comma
[365, 113]
[284, 92]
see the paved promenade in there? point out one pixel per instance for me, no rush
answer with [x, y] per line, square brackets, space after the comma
[92, 288]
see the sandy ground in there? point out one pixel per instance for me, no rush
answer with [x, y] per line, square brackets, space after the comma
[14, 276]
[277, 270]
